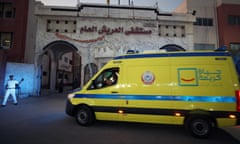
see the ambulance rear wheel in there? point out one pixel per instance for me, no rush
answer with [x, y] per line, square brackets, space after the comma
[84, 116]
[199, 127]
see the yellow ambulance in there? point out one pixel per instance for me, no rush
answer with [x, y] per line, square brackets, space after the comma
[199, 90]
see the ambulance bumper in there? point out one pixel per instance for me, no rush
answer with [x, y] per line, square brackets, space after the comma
[69, 108]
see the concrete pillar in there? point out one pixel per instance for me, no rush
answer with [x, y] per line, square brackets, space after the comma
[82, 75]
[53, 74]
[3, 62]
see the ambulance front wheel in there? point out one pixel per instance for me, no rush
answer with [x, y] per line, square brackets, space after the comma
[199, 127]
[84, 116]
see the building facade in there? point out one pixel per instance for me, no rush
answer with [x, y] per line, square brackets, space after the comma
[205, 27]
[13, 29]
[73, 43]
[217, 24]
[97, 33]
[229, 27]
[229, 24]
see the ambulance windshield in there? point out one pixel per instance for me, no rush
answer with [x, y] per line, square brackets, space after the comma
[107, 78]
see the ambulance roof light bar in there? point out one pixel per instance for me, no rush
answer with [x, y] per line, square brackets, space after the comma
[222, 48]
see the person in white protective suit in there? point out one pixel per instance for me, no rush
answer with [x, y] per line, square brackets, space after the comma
[11, 90]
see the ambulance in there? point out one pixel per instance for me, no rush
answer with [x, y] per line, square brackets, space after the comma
[199, 90]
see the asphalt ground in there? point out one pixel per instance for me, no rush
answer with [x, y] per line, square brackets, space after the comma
[45, 109]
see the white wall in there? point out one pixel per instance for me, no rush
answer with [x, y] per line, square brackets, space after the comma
[20, 70]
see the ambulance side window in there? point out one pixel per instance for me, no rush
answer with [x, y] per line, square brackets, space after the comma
[107, 78]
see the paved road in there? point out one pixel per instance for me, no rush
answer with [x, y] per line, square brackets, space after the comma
[42, 120]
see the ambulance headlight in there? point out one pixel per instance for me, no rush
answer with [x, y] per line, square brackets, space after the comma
[71, 95]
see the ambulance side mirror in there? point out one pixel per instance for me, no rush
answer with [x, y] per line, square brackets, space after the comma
[95, 85]
[92, 86]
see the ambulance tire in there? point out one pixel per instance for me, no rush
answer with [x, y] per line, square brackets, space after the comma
[199, 127]
[84, 116]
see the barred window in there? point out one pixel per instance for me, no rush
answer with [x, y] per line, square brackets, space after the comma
[7, 10]
[6, 40]
[201, 46]
[233, 20]
[204, 22]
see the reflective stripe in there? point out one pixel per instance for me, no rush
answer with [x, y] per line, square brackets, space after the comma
[162, 112]
[226, 99]
[186, 54]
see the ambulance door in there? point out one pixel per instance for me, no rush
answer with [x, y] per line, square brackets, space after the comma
[104, 91]
[147, 92]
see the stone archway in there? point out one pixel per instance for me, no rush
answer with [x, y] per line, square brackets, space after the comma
[59, 60]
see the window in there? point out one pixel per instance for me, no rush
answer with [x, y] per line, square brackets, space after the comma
[204, 22]
[108, 77]
[6, 40]
[230, 19]
[44, 73]
[233, 20]
[204, 46]
[65, 59]
[171, 30]
[1, 10]
[210, 22]
[235, 49]
[234, 46]
[198, 22]
[7, 10]
[66, 76]
[61, 26]
[70, 62]
[60, 76]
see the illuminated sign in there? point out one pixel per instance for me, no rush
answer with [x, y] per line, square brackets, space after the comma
[104, 30]
[109, 31]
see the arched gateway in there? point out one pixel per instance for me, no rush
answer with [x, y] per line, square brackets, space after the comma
[58, 61]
